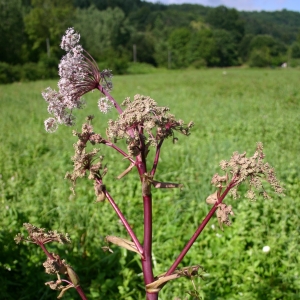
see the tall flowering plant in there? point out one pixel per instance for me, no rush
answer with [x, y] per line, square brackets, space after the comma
[145, 126]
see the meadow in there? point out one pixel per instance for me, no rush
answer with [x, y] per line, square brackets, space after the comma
[232, 109]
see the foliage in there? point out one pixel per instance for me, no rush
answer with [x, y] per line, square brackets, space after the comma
[295, 50]
[282, 25]
[244, 47]
[266, 51]
[202, 47]
[48, 19]
[231, 111]
[178, 43]
[11, 31]
[226, 48]
[228, 19]
[104, 33]
[152, 27]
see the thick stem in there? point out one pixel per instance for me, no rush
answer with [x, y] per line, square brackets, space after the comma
[81, 292]
[46, 251]
[147, 201]
[198, 231]
[147, 261]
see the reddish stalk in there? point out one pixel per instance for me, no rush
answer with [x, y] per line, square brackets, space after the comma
[78, 287]
[109, 144]
[147, 261]
[48, 254]
[198, 231]
[80, 292]
[156, 158]
[147, 246]
[125, 223]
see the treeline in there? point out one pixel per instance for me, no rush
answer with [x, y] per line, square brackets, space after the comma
[117, 32]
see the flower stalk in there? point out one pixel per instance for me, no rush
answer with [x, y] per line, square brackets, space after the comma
[143, 125]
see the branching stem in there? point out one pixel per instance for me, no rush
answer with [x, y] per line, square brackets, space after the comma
[109, 144]
[125, 223]
[156, 158]
[198, 231]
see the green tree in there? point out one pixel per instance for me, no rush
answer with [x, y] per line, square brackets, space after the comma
[267, 51]
[228, 19]
[226, 48]
[295, 50]
[11, 31]
[48, 19]
[127, 6]
[202, 49]
[260, 58]
[244, 47]
[105, 33]
[145, 46]
[178, 45]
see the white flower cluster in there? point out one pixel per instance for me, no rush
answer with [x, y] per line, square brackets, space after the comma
[79, 74]
[70, 39]
[104, 105]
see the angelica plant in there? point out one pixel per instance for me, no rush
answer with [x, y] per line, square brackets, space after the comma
[145, 126]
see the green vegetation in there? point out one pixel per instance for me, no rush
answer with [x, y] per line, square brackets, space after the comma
[232, 110]
[173, 36]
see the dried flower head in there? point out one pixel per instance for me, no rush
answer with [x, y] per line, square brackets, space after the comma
[50, 125]
[56, 265]
[223, 213]
[39, 236]
[55, 285]
[144, 121]
[85, 161]
[251, 169]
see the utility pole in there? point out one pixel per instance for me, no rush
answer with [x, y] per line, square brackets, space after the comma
[48, 47]
[134, 53]
[169, 59]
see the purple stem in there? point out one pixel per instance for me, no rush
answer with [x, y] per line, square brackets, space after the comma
[147, 201]
[156, 158]
[147, 261]
[109, 144]
[125, 223]
[48, 254]
[80, 292]
[78, 288]
[199, 230]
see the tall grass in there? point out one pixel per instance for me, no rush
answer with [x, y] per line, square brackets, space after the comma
[232, 111]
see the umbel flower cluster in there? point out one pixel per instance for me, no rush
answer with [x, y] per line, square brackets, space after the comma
[79, 74]
[39, 236]
[239, 169]
[252, 169]
[143, 119]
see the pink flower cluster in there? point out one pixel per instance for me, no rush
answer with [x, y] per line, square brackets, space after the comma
[79, 74]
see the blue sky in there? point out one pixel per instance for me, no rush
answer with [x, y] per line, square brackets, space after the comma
[269, 5]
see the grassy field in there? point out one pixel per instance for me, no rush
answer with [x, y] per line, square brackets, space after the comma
[232, 111]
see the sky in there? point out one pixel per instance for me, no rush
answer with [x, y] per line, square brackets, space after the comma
[250, 5]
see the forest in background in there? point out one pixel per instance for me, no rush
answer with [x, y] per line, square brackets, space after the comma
[117, 32]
